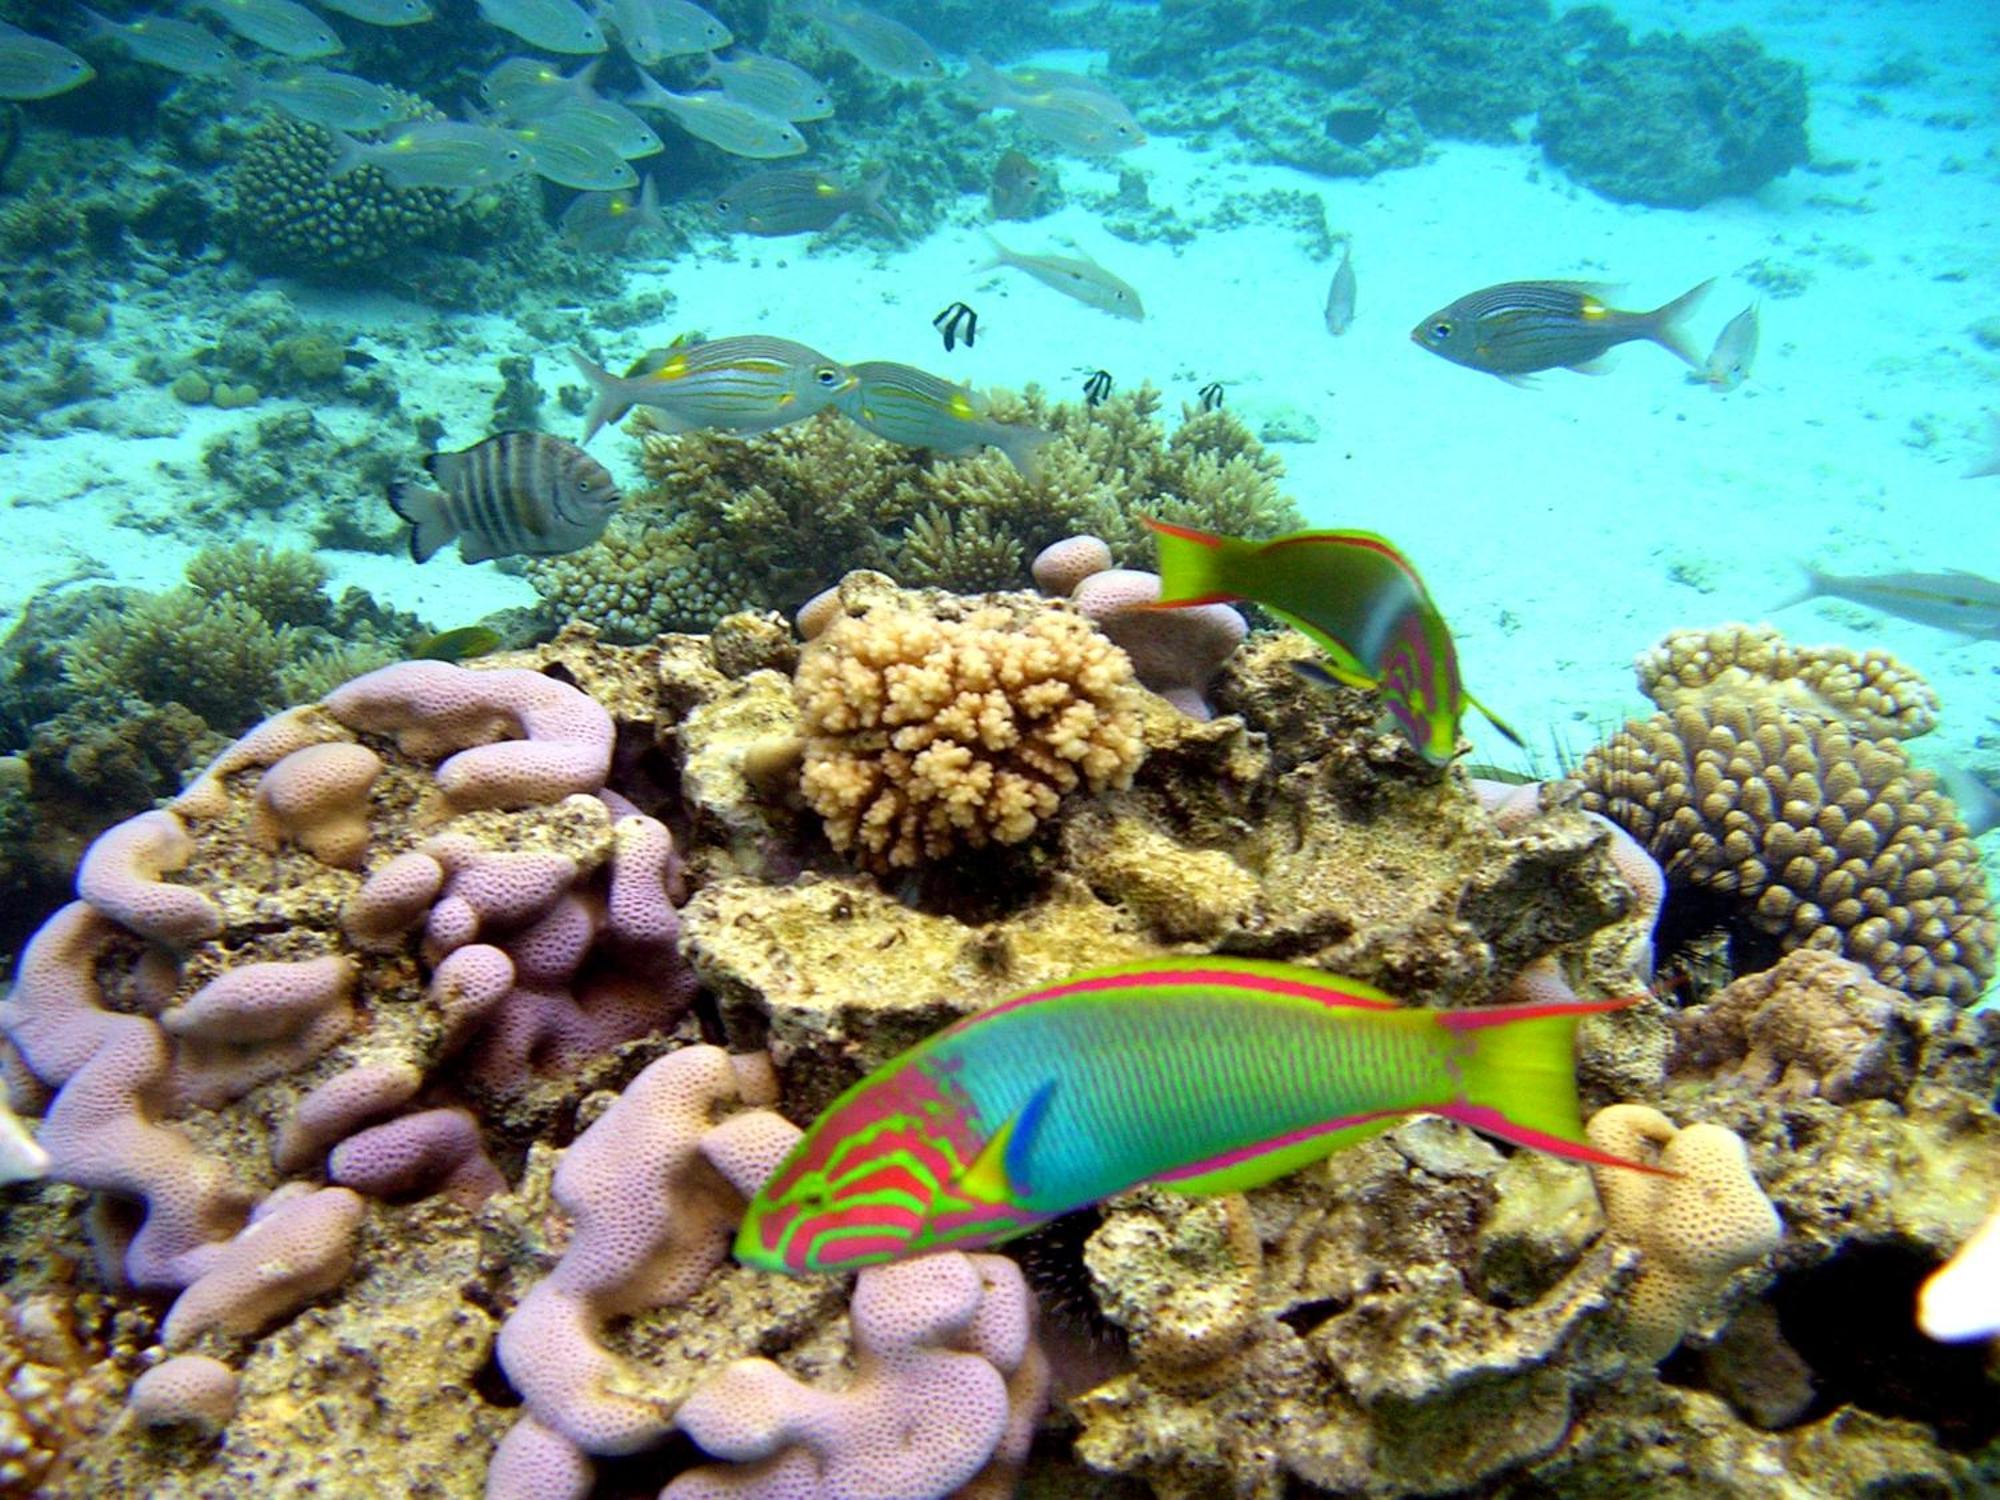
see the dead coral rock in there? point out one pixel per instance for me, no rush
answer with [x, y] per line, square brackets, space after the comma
[1180, 1275]
[1814, 1024]
[835, 977]
[1871, 691]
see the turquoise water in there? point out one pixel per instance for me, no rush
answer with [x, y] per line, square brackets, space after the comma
[216, 338]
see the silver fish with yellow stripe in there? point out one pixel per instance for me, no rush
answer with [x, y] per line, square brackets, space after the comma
[749, 383]
[517, 493]
[921, 410]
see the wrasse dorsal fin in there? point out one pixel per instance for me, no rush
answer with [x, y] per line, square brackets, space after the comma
[999, 1174]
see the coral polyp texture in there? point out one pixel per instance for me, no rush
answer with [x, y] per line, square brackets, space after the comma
[804, 505]
[404, 1081]
[1775, 784]
[933, 731]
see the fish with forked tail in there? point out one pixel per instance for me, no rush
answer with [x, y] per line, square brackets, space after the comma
[514, 493]
[1520, 327]
[1074, 276]
[1963, 603]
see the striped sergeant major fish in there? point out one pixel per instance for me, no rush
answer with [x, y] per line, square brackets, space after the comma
[746, 384]
[514, 494]
[1519, 327]
[1205, 1075]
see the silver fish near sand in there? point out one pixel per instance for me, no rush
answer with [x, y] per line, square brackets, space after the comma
[651, 31]
[321, 96]
[771, 86]
[604, 223]
[165, 42]
[1340, 293]
[714, 117]
[797, 201]
[1963, 603]
[1990, 464]
[33, 67]
[552, 25]
[1520, 327]
[515, 494]
[436, 154]
[885, 46]
[1074, 276]
[381, 12]
[1734, 353]
[278, 25]
[746, 384]
[1977, 799]
[920, 410]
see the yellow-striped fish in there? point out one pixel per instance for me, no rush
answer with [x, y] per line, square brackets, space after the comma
[750, 383]
[920, 410]
[515, 493]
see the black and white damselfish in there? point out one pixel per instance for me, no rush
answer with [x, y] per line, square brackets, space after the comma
[525, 493]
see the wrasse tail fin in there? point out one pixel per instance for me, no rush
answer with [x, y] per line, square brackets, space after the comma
[1664, 323]
[1520, 1077]
[1190, 564]
[423, 508]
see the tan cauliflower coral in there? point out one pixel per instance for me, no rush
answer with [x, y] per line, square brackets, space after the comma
[927, 735]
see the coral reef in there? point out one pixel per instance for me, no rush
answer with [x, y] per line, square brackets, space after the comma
[811, 502]
[929, 733]
[1671, 120]
[1811, 834]
[1869, 691]
[325, 1108]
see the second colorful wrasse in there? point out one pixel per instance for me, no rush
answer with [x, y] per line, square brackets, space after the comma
[1206, 1075]
[1519, 327]
[746, 384]
[1355, 597]
[524, 493]
[920, 410]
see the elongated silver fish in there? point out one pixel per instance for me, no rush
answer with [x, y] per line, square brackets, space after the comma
[1074, 276]
[552, 25]
[714, 117]
[797, 201]
[436, 154]
[320, 96]
[604, 223]
[771, 86]
[1340, 292]
[1991, 464]
[382, 12]
[33, 67]
[1734, 353]
[1519, 327]
[888, 47]
[749, 383]
[278, 25]
[1963, 603]
[516, 493]
[920, 410]
[165, 42]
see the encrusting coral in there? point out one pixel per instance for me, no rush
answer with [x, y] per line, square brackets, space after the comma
[806, 504]
[1755, 786]
[932, 732]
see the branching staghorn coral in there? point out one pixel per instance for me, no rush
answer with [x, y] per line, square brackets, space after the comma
[731, 523]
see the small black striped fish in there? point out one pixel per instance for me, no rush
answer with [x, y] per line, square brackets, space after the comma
[516, 492]
[1519, 327]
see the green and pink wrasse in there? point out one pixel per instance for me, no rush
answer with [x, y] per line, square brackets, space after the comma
[1357, 598]
[1206, 1075]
